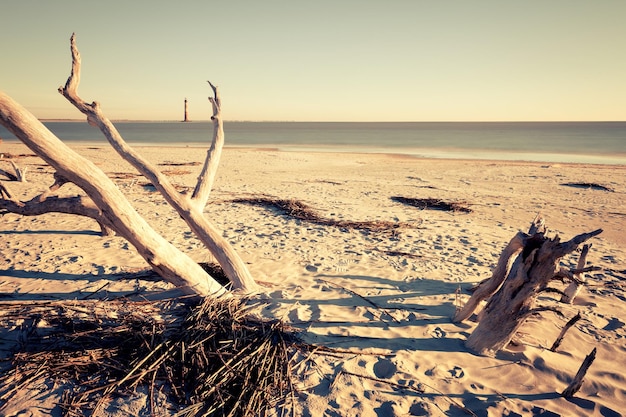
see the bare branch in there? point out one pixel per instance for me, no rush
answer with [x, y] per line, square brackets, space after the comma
[20, 173]
[70, 90]
[59, 181]
[577, 382]
[206, 178]
[78, 205]
[507, 309]
[538, 225]
[571, 245]
[567, 326]
[577, 277]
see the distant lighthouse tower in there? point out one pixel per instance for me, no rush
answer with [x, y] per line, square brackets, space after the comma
[186, 119]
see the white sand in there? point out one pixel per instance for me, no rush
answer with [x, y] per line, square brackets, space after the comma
[324, 279]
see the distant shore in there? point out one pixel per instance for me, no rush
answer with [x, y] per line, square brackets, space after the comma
[554, 142]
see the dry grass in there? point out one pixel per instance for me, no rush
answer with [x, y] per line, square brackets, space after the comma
[434, 204]
[301, 211]
[589, 186]
[180, 164]
[172, 172]
[209, 358]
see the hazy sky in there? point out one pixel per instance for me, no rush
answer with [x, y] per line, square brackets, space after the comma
[336, 60]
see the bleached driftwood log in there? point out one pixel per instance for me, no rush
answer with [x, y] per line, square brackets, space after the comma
[77, 205]
[114, 209]
[509, 307]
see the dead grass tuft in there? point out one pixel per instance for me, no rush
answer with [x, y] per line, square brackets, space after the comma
[434, 204]
[301, 211]
[209, 358]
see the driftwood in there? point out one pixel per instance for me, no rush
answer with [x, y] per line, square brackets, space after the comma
[578, 281]
[487, 288]
[114, 209]
[514, 301]
[567, 326]
[20, 173]
[577, 382]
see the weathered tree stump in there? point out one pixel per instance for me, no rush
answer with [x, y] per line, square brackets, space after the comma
[507, 309]
[505, 264]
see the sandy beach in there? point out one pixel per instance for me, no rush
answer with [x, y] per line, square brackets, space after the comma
[386, 299]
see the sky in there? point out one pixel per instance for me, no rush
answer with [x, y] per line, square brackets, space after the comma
[322, 60]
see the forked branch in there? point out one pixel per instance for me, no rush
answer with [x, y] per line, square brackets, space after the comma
[190, 209]
[206, 178]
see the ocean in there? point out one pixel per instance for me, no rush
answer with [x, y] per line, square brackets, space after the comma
[578, 142]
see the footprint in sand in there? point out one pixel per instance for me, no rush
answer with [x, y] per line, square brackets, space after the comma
[421, 408]
[438, 333]
[385, 368]
[342, 266]
[457, 372]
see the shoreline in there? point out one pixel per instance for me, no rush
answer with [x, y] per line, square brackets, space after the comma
[617, 160]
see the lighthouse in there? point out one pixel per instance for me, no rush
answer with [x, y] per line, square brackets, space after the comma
[185, 119]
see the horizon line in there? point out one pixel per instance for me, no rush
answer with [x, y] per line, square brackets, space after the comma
[333, 121]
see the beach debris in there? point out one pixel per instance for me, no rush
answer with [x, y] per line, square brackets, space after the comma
[209, 358]
[567, 326]
[104, 201]
[433, 204]
[298, 210]
[180, 164]
[4, 194]
[525, 268]
[20, 172]
[577, 382]
[589, 185]
[578, 279]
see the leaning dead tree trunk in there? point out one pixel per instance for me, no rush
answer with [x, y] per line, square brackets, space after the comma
[113, 210]
[531, 273]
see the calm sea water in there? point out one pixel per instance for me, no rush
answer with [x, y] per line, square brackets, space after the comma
[588, 142]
